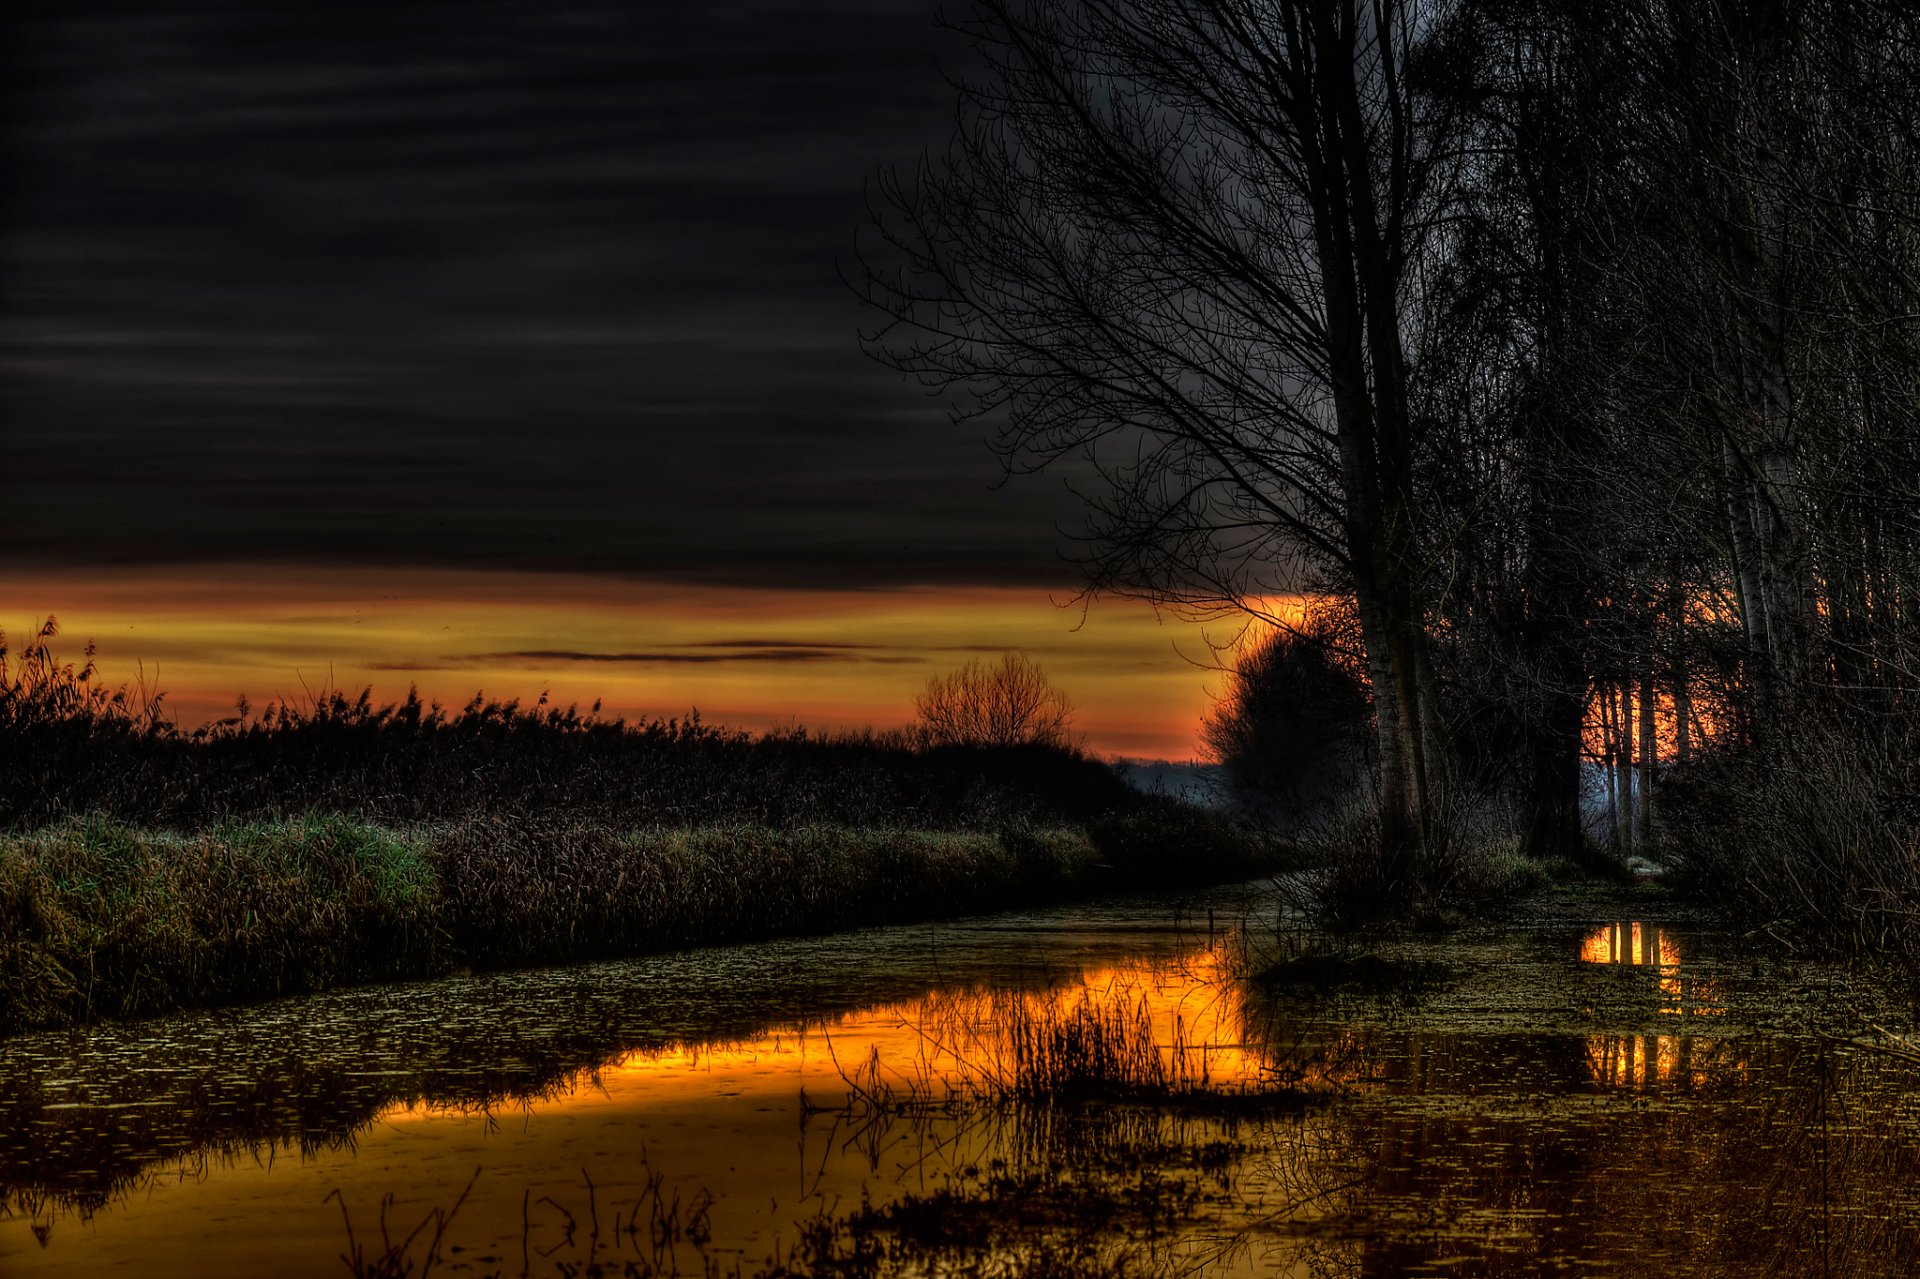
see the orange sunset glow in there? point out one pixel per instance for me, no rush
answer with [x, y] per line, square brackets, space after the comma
[749, 657]
[1005, 637]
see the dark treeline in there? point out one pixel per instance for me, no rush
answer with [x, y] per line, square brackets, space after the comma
[1567, 351]
[72, 746]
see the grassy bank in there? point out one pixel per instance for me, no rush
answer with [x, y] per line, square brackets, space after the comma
[291, 848]
[102, 919]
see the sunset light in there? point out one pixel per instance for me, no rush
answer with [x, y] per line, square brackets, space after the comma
[1220, 638]
[751, 658]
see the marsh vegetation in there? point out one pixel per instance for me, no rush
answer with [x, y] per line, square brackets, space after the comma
[144, 869]
[1093, 1090]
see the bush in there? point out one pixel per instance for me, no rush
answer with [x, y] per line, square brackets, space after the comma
[1164, 842]
[1820, 830]
[1292, 732]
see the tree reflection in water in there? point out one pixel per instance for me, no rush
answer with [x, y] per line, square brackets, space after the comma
[1564, 1100]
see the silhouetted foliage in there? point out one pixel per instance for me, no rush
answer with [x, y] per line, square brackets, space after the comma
[1009, 703]
[69, 747]
[1571, 347]
[1292, 729]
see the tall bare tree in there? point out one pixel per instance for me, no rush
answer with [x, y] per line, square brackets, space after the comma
[1181, 240]
[1777, 259]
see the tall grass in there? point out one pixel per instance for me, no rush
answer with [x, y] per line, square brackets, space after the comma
[102, 919]
[1819, 830]
[292, 848]
[70, 747]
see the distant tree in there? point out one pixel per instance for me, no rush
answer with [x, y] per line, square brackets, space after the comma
[1292, 732]
[1009, 703]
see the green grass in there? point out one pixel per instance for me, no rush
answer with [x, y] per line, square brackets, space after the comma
[102, 919]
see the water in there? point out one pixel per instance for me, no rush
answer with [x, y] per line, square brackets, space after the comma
[1605, 1086]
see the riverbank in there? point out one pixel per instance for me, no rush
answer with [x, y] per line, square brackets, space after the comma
[101, 919]
[1597, 1054]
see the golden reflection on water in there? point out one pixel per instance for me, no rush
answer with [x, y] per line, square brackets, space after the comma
[968, 1038]
[1644, 1060]
[1631, 943]
[1672, 1061]
[1409, 1110]
[776, 1126]
[1651, 947]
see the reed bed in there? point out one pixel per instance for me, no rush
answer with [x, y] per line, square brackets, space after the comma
[1097, 1047]
[102, 919]
[292, 848]
[71, 747]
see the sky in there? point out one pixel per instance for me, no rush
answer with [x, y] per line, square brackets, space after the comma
[316, 313]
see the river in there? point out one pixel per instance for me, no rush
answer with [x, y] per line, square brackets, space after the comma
[1606, 1084]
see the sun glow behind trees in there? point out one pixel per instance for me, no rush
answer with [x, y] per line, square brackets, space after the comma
[748, 657]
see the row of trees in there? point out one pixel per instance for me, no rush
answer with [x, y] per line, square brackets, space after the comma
[1570, 346]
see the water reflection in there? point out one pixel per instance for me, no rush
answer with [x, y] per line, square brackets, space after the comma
[1113, 1088]
[1657, 951]
[1662, 1059]
[1674, 1061]
[1633, 943]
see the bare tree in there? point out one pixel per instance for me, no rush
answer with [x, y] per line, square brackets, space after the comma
[1574, 345]
[1011, 703]
[1778, 257]
[1179, 240]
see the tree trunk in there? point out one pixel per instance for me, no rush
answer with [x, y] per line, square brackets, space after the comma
[1677, 678]
[1762, 306]
[1746, 565]
[1623, 807]
[1682, 715]
[1610, 754]
[1553, 761]
[1396, 720]
[1367, 370]
[1649, 757]
[1556, 606]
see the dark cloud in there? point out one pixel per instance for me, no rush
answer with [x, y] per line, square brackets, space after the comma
[778, 644]
[774, 652]
[677, 658]
[537, 286]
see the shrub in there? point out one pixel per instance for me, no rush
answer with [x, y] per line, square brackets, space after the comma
[1292, 732]
[1819, 829]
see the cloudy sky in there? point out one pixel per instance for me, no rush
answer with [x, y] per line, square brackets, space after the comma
[512, 289]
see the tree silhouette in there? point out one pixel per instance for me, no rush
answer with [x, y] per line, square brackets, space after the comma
[1176, 239]
[1291, 731]
[1010, 703]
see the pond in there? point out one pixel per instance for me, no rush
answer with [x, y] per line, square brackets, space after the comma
[1201, 1085]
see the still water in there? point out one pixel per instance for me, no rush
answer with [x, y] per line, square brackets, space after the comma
[1607, 1086]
